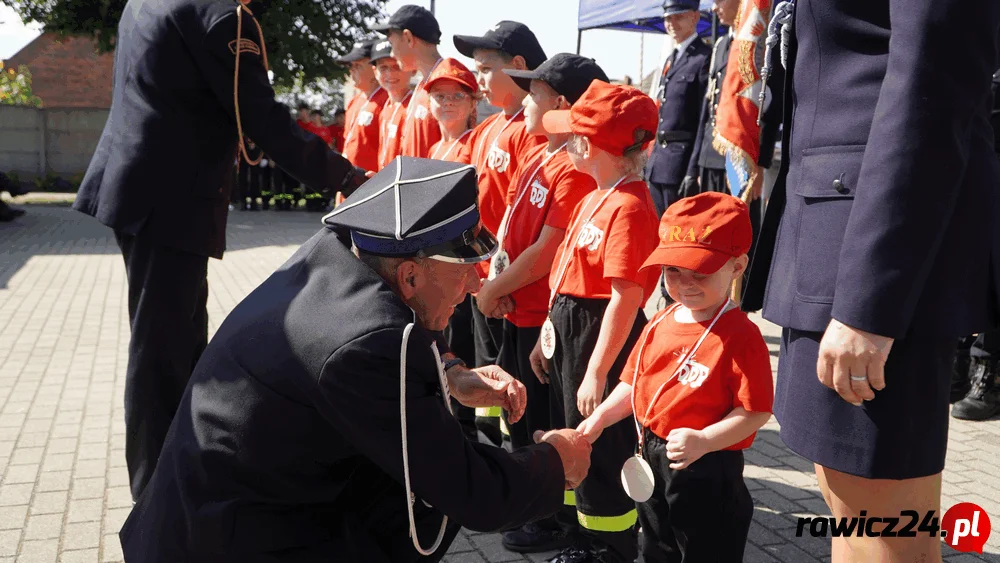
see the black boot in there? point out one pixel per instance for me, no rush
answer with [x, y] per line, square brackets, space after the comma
[960, 384]
[983, 401]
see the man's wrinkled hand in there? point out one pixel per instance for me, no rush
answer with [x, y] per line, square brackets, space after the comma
[488, 386]
[504, 306]
[574, 452]
[852, 362]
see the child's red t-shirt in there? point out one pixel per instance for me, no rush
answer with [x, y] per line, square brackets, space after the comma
[614, 243]
[543, 195]
[732, 368]
[390, 129]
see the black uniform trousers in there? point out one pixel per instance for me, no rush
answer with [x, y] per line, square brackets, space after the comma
[696, 514]
[167, 297]
[664, 195]
[461, 341]
[515, 351]
[985, 345]
[487, 335]
[577, 323]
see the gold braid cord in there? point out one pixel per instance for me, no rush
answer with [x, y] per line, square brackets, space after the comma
[236, 76]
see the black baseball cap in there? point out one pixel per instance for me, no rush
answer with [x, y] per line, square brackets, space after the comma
[419, 20]
[569, 75]
[361, 50]
[381, 50]
[513, 38]
[671, 7]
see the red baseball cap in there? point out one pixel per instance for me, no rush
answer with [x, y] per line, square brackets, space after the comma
[451, 69]
[619, 119]
[702, 233]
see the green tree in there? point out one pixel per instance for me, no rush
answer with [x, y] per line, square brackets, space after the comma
[15, 87]
[303, 36]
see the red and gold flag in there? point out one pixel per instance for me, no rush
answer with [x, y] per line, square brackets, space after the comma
[737, 134]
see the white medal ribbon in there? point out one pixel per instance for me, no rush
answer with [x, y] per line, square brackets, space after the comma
[390, 128]
[493, 158]
[357, 118]
[434, 156]
[637, 475]
[501, 260]
[548, 328]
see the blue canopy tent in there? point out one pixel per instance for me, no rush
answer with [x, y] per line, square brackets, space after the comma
[637, 15]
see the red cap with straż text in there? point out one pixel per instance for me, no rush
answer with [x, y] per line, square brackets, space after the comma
[702, 233]
[453, 70]
[619, 119]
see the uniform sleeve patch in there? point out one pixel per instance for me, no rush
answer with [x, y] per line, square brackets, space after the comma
[246, 46]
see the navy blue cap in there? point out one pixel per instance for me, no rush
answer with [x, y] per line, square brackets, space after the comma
[381, 50]
[569, 75]
[361, 50]
[513, 38]
[417, 207]
[671, 7]
[419, 20]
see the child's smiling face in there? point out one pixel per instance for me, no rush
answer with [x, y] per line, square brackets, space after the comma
[700, 292]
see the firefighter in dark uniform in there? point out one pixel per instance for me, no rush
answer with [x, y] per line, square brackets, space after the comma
[975, 380]
[173, 100]
[317, 425]
[682, 89]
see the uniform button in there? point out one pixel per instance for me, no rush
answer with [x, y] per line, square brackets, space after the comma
[838, 185]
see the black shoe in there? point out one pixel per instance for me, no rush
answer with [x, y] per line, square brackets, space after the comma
[983, 401]
[10, 213]
[960, 384]
[532, 538]
[573, 555]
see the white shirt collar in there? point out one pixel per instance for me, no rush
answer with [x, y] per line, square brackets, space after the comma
[686, 43]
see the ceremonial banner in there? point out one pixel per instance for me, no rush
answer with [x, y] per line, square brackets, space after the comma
[737, 133]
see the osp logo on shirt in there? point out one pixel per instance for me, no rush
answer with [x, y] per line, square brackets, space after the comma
[590, 237]
[365, 118]
[420, 113]
[692, 374]
[498, 159]
[538, 194]
[392, 129]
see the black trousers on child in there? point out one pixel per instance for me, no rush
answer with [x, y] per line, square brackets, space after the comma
[515, 349]
[605, 513]
[696, 514]
[167, 298]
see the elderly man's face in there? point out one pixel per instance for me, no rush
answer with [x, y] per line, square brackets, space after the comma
[433, 289]
[681, 26]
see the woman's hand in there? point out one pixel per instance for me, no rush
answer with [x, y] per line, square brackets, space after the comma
[852, 362]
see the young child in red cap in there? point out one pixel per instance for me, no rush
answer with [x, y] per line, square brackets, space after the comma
[594, 311]
[453, 92]
[699, 387]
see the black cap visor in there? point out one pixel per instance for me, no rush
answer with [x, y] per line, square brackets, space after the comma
[385, 28]
[523, 78]
[467, 44]
[475, 245]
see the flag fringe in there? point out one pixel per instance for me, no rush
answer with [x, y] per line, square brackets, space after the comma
[741, 159]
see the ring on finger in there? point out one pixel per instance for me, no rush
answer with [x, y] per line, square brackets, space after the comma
[859, 378]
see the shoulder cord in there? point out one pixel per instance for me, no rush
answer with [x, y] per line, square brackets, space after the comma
[410, 498]
[236, 76]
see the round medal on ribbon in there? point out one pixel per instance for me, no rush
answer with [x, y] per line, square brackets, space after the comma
[499, 263]
[548, 339]
[637, 479]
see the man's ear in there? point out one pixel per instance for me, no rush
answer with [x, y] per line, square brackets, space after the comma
[519, 63]
[408, 38]
[740, 265]
[562, 103]
[409, 278]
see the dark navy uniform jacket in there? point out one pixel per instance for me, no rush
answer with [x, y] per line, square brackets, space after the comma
[682, 90]
[885, 211]
[287, 443]
[164, 161]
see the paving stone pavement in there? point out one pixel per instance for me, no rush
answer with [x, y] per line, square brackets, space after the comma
[63, 338]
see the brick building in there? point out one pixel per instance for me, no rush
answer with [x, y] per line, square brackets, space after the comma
[67, 72]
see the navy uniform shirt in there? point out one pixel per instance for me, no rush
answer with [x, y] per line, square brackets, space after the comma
[287, 442]
[164, 161]
[682, 90]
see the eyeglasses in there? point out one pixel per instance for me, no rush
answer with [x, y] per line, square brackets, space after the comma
[456, 97]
